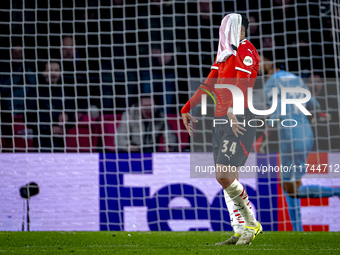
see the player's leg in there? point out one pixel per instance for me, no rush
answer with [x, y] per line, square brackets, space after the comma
[236, 192]
[295, 190]
[290, 185]
[239, 196]
[313, 191]
[293, 203]
[233, 152]
[241, 201]
[226, 176]
[317, 191]
[295, 148]
[236, 219]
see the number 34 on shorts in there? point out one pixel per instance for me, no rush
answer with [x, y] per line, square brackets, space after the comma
[232, 147]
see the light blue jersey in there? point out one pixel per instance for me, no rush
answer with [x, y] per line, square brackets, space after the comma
[295, 142]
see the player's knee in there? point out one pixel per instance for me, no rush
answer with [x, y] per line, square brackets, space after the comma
[225, 175]
[225, 182]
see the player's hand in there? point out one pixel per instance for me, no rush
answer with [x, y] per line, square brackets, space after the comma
[186, 120]
[236, 127]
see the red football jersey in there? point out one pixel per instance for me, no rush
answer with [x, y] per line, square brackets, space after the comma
[236, 71]
[244, 65]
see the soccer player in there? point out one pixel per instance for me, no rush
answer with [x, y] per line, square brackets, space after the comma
[236, 63]
[295, 142]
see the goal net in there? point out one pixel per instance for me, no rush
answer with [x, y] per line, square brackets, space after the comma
[110, 78]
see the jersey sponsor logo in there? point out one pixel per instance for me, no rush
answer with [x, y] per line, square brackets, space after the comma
[248, 61]
[251, 51]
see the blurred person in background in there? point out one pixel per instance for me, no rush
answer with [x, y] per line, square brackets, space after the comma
[18, 85]
[296, 141]
[142, 127]
[254, 31]
[205, 9]
[74, 75]
[267, 42]
[70, 58]
[253, 26]
[162, 76]
[68, 50]
[56, 110]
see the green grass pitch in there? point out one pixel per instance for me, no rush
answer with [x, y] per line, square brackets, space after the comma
[105, 242]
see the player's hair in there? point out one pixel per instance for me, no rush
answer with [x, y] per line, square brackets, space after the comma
[245, 22]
